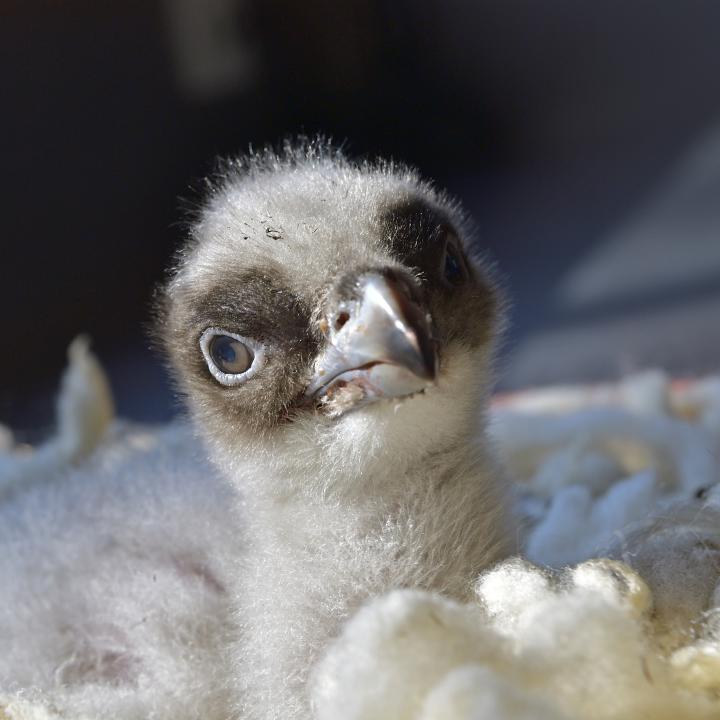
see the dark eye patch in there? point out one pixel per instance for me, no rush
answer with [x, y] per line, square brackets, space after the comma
[453, 266]
[422, 237]
[410, 228]
[253, 304]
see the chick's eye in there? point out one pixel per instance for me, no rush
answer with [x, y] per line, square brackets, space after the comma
[230, 358]
[230, 355]
[453, 266]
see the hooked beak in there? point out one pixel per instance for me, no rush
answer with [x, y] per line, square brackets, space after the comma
[380, 346]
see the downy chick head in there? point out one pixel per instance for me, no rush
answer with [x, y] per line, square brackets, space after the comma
[329, 313]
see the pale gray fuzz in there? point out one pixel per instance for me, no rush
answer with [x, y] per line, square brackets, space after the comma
[334, 506]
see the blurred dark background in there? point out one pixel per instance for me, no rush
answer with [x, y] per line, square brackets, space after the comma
[584, 137]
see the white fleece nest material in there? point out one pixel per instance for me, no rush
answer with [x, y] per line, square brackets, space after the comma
[628, 472]
[625, 473]
[84, 412]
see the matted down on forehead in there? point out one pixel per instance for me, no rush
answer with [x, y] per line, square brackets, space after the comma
[323, 214]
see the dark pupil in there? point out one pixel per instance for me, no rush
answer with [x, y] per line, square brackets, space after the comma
[453, 269]
[224, 351]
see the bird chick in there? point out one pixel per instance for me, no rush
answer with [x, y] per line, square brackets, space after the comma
[333, 335]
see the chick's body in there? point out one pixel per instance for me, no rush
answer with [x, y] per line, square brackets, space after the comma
[338, 502]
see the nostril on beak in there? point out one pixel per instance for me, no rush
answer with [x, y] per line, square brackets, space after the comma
[341, 320]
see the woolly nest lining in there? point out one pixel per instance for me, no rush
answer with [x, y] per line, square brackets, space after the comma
[614, 613]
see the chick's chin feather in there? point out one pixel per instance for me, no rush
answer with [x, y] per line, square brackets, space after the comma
[386, 497]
